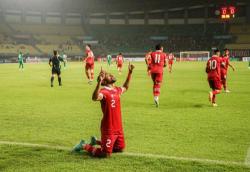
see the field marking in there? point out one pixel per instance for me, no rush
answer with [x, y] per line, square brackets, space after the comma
[247, 159]
[208, 161]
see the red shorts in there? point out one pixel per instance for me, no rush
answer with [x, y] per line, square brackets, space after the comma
[112, 143]
[170, 62]
[215, 84]
[119, 65]
[89, 66]
[223, 74]
[157, 77]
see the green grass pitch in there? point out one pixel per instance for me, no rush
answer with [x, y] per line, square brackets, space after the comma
[185, 125]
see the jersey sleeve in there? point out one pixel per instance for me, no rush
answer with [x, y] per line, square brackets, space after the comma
[120, 90]
[60, 58]
[102, 93]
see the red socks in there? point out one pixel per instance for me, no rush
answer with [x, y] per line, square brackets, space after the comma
[214, 93]
[156, 89]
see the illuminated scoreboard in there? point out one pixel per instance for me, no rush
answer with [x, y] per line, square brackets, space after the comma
[227, 12]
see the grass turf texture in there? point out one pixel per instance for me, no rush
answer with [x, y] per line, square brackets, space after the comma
[185, 125]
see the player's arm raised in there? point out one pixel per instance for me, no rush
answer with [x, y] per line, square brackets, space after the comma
[126, 83]
[97, 96]
[231, 66]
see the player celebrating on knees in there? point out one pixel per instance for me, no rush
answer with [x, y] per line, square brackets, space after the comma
[158, 62]
[54, 62]
[112, 137]
[119, 62]
[148, 61]
[89, 67]
[170, 61]
[224, 67]
[214, 76]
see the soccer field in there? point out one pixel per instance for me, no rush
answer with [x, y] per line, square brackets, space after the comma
[184, 134]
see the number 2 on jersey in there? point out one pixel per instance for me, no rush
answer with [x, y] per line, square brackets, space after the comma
[112, 101]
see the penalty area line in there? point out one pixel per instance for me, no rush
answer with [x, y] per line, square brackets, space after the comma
[207, 161]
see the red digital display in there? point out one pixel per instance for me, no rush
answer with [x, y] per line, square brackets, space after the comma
[227, 12]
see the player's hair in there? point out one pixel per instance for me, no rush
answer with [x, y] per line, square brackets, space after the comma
[89, 46]
[216, 50]
[158, 47]
[226, 49]
[55, 52]
[120, 53]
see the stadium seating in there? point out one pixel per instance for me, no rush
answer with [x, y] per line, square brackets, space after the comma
[48, 29]
[53, 39]
[241, 32]
[14, 49]
[48, 49]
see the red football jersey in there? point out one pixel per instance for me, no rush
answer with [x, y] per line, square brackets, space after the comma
[119, 59]
[224, 62]
[213, 67]
[89, 57]
[111, 108]
[170, 57]
[158, 61]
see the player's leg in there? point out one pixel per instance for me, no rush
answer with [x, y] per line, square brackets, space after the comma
[59, 78]
[157, 78]
[119, 144]
[106, 148]
[22, 65]
[19, 65]
[92, 72]
[52, 78]
[216, 89]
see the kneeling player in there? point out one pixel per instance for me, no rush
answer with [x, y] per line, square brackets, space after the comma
[54, 62]
[112, 137]
[119, 62]
[213, 76]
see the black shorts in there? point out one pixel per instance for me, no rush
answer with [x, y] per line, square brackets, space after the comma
[56, 71]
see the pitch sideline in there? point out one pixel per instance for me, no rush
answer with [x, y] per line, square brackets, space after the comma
[209, 161]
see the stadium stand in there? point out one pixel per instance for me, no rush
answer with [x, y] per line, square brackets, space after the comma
[241, 33]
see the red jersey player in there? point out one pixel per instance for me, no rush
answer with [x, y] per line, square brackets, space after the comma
[89, 67]
[148, 61]
[119, 62]
[112, 137]
[158, 62]
[224, 67]
[170, 61]
[214, 76]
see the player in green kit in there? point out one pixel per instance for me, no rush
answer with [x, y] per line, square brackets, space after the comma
[109, 59]
[64, 56]
[20, 60]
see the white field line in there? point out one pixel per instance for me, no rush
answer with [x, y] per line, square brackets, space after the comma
[209, 161]
[247, 160]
